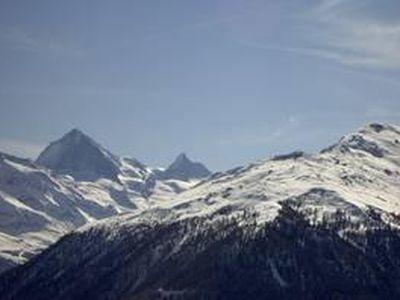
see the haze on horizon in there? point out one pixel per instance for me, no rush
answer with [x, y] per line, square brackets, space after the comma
[226, 81]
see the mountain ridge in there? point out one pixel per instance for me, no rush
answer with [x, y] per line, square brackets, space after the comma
[44, 199]
[246, 233]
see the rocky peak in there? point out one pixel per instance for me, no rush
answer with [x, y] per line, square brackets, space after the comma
[76, 154]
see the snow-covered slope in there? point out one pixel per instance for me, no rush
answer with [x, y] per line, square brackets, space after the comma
[74, 181]
[360, 172]
[36, 208]
[296, 225]
[363, 169]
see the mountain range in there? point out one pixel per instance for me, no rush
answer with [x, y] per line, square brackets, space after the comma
[298, 225]
[75, 181]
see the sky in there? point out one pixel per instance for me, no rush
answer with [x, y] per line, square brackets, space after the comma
[226, 81]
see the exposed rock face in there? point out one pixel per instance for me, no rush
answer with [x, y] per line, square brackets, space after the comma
[75, 181]
[300, 227]
[185, 169]
[78, 155]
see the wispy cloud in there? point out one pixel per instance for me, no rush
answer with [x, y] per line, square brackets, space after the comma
[17, 39]
[20, 148]
[345, 31]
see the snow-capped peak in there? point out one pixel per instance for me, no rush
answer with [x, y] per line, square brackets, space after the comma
[265, 220]
[374, 139]
[262, 221]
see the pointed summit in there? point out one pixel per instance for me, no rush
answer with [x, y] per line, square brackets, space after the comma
[184, 169]
[182, 158]
[76, 154]
[75, 132]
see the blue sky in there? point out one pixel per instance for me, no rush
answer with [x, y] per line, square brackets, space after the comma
[227, 81]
